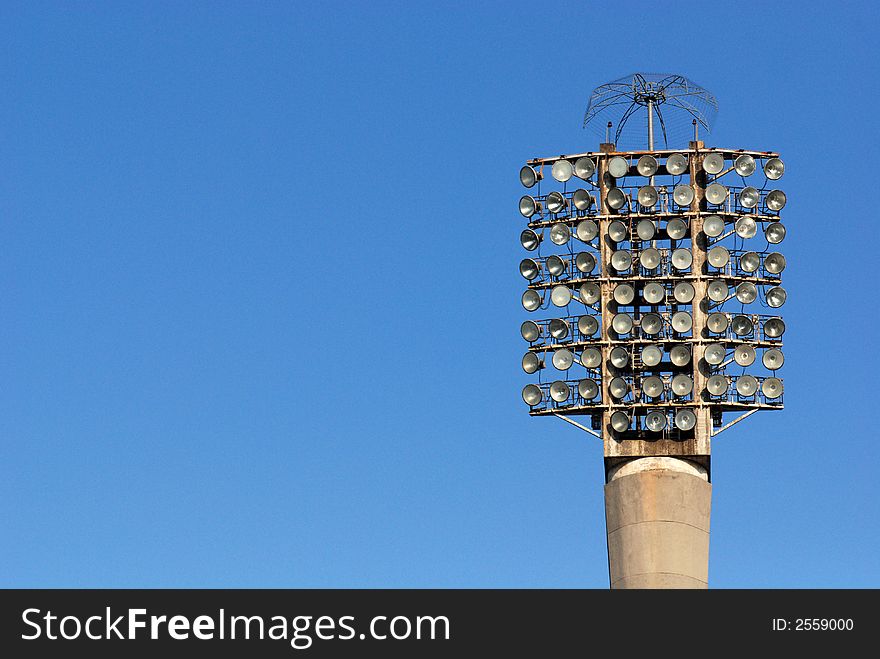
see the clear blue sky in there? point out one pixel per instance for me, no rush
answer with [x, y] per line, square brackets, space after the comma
[260, 301]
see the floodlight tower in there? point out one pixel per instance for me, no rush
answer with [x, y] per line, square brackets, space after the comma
[661, 279]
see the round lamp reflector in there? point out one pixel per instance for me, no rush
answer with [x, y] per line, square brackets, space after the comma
[676, 164]
[716, 193]
[774, 263]
[588, 326]
[652, 386]
[645, 229]
[682, 322]
[775, 233]
[680, 355]
[528, 206]
[685, 419]
[530, 331]
[560, 296]
[746, 227]
[652, 355]
[744, 355]
[718, 256]
[559, 329]
[742, 325]
[622, 323]
[560, 233]
[531, 300]
[676, 229]
[776, 297]
[746, 385]
[746, 292]
[647, 165]
[718, 290]
[713, 163]
[591, 358]
[559, 391]
[621, 260]
[555, 265]
[774, 169]
[717, 323]
[618, 388]
[588, 389]
[651, 324]
[716, 385]
[624, 294]
[529, 268]
[654, 293]
[749, 262]
[556, 203]
[529, 240]
[562, 170]
[682, 259]
[619, 357]
[749, 197]
[587, 230]
[562, 359]
[589, 293]
[744, 165]
[584, 168]
[683, 292]
[655, 421]
[616, 198]
[532, 395]
[582, 199]
[713, 226]
[683, 195]
[617, 231]
[618, 167]
[775, 200]
[585, 262]
[682, 385]
[774, 328]
[649, 258]
[647, 196]
[714, 354]
[771, 388]
[528, 176]
[531, 363]
[773, 359]
[620, 421]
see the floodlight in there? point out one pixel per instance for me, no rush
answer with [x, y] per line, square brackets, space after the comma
[685, 419]
[746, 292]
[584, 168]
[530, 331]
[618, 388]
[775, 233]
[681, 385]
[588, 326]
[655, 421]
[714, 354]
[775, 200]
[749, 197]
[645, 229]
[744, 355]
[682, 322]
[776, 297]
[713, 226]
[624, 294]
[676, 164]
[749, 262]
[771, 388]
[621, 260]
[654, 293]
[530, 240]
[746, 385]
[774, 263]
[651, 324]
[532, 395]
[529, 268]
[589, 293]
[649, 258]
[528, 176]
[562, 359]
[528, 206]
[716, 385]
[652, 386]
[718, 256]
[588, 389]
[652, 355]
[683, 195]
[618, 167]
[531, 300]
[619, 357]
[647, 165]
[713, 163]
[591, 358]
[774, 328]
[556, 203]
[531, 363]
[559, 329]
[555, 265]
[683, 292]
[585, 262]
[620, 421]
[676, 229]
[560, 233]
[718, 290]
[562, 170]
[559, 391]
[746, 227]
[680, 355]
[716, 193]
[622, 323]
[582, 199]
[560, 296]
[617, 231]
[774, 169]
[773, 359]
[586, 230]
[682, 259]
[742, 325]
[744, 165]
[717, 323]
[616, 198]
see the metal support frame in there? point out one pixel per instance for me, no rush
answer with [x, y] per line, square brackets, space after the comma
[578, 425]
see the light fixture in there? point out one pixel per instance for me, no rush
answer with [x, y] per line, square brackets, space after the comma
[718, 256]
[680, 355]
[584, 168]
[717, 290]
[775, 233]
[555, 265]
[749, 197]
[744, 165]
[746, 385]
[776, 297]
[682, 259]
[676, 229]
[530, 331]
[713, 226]
[647, 165]
[774, 263]
[560, 296]
[676, 164]
[774, 169]
[683, 292]
[746, 227]
[651, 324]
[562, 359]
[562, 170]
[528, 176]
[528, 206]
[716, 193]
[560, 233]
[622, 323]
[586, 230]
[588, 326]
[682, 322]
[716, 385]
[652, 355]
[717, 322]
[774, 328]
[649, 258]
[742, 325]
[556, 203]
[654, 293]
[616, 198]
[685, 420]
[591, 358]
[588, 389]
[771, 388]
[620, 421]
[531, 300]
[618, 167]
[775, 200]
[749, 262]
[559, 391]
[681, 385]
[773, 359]
[683, 195]
[714, 354]
[559, 329]
[618, 388]
[619, 357]
[585, 262]
[589, 293]
[746, 292]
[624, 294]
[652, 387]
[617, 231]
[621, 260]
[655, 421]
[645, 229]
[531, 363]
[713, 163]
[530, 240]
[744, 355]
[532, 395]
[582, 199]
[529, 268]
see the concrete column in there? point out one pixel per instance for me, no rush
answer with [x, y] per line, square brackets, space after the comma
[657, 519]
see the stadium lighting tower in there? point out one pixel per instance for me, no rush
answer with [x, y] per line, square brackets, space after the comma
[655, 280]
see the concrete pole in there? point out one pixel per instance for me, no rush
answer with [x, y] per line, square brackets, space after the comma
[657, 519]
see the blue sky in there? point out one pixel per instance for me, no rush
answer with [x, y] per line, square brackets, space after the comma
[260, 300]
